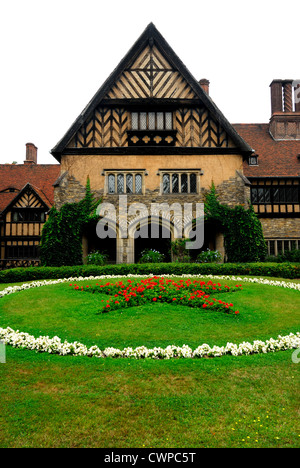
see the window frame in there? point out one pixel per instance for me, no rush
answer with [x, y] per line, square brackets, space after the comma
[120, 174]
[28, 215]
[171, 174]
[140, 116]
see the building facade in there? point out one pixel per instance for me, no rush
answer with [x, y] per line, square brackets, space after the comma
[152, 143]
[26, 196]
[151, 135]
[273, 170]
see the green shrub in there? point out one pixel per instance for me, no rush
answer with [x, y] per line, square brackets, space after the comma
[61, 240]
[96, 258]
[243, 234]
[278, 270]
[179, 250]
[209, 256]
[151, 256]
[290, 256]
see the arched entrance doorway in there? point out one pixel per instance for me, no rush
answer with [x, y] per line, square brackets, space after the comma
[161, 244]
[93, 243]
[213, 240]
[151, 233]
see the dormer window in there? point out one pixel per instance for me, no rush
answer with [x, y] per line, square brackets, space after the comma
[253, 160]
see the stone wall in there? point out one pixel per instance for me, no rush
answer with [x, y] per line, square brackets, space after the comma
[281, 228]
[233, 191]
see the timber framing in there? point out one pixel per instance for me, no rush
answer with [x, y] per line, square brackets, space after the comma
[107, 95]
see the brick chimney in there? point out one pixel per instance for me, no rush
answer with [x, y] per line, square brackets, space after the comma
[285, 119]
[31, 154]
[204, 83]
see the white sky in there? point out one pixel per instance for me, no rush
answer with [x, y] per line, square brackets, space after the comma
[56, 54]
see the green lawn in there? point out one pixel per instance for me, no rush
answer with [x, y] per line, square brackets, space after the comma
[56, 401]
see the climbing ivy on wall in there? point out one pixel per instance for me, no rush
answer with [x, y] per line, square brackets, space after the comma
[243, 235]
[61, 241]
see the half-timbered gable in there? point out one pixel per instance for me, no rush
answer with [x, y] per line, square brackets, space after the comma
[150, 100]
[26, 196]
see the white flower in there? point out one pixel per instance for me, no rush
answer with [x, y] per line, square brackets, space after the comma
[55, 346]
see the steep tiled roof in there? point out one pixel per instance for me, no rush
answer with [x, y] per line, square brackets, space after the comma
[275, 158]
[40, 176]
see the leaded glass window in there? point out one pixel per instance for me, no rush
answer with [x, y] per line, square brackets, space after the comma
[129, 183]
[175, 183]
[138, 183]
[111, 183]
[166, 183]
[193, 183]
[120, 183]
[184, 183]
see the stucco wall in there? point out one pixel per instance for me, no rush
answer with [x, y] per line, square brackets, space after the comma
[216, 168]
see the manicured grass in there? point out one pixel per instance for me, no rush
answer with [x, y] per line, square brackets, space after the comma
[56, 401]
[265, 312]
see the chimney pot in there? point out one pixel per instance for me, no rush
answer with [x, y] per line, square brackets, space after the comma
[204, 83]
[31, 154]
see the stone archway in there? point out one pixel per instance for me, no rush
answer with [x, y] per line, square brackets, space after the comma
[91, 242]
[213, 239]
[150, 233]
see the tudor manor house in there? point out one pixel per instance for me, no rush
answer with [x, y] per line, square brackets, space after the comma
[153, 133]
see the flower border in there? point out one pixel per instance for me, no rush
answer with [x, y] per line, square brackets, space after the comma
[56, 346]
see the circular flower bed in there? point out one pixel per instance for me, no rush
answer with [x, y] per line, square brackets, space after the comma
[56, 346]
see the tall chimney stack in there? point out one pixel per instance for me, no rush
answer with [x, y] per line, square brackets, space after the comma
[276, 96]
[297, 97]
[285, 119]
[31, 154]
[204, 83]
[288, 95]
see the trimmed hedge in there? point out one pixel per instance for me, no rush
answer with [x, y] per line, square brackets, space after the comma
[278, 270]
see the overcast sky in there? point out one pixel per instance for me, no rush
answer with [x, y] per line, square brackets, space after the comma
[56, 54]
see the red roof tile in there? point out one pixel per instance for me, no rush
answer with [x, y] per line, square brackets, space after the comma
[275, 158]
[40, 176]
